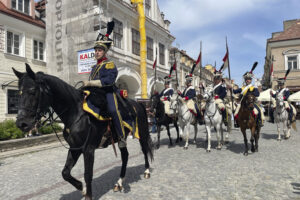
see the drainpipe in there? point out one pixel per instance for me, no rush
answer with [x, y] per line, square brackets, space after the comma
[143, 49]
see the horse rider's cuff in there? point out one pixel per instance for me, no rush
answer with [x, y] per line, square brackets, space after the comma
[94, 83]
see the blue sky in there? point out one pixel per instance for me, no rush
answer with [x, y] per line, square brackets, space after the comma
[246, 23]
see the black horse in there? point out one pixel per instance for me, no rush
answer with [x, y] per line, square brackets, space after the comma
[83, 133]
[157, 107]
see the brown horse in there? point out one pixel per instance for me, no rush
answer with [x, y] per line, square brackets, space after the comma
[247, 120]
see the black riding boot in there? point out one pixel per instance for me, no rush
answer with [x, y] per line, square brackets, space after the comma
[291, 115]
[224, 116]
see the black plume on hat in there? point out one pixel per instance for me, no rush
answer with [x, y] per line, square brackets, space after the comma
[105, 41]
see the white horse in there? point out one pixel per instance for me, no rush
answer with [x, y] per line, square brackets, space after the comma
[185, 118]
[281, 115]
[212, 117]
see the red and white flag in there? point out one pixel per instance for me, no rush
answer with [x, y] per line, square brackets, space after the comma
[226, 59]
[154, 64]
[198, 62]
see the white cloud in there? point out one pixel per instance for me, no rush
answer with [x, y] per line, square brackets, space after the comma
[257, 38]
[194, 14]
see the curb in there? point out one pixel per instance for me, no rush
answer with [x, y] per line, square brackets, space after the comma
[21, 143]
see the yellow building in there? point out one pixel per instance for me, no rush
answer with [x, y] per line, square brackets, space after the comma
[284, 48]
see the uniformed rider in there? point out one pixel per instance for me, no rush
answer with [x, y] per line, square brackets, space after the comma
[248, 87]
[282, 90]
[219, 95]
[189, 94]
[166, 94]
[104, 75]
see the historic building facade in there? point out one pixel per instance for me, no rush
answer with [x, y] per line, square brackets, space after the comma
[72, 28]
[184, 67]
[284, 49]
[22, 40]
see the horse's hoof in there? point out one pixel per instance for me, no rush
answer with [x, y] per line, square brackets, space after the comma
[219, 148]
[185, 148]
[252, 150]
[146, 175]
[207, 150]
[278, 139]
[83, 192]
[88, 198]
[117, 188]
[177, 141]
[245, 153]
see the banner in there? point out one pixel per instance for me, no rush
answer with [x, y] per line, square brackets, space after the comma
[86, 60]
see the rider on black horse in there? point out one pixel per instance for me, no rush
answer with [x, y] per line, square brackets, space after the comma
[104, 75]
[166, 94]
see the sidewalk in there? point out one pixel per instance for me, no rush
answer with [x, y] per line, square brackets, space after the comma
[25, 145]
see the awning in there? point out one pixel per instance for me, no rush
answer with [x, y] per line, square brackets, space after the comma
[294, 97]
[265, 95]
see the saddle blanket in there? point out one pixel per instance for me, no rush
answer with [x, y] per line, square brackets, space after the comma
[96, 112]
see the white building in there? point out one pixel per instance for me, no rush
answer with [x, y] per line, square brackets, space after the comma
[22, 40]
[73, 25]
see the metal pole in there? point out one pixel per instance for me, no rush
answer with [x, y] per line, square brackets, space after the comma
[229, 78]
[176, 86]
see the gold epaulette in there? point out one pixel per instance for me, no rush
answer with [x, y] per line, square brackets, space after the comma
[251, 88]
[109, 65]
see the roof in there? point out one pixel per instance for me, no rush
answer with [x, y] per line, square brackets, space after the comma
[21, 16]
[293, 32]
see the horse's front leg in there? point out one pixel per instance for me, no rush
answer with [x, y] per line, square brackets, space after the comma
[177, 131]
[208, 136]
[278, 131]
[89, 155]
[245, 141]
[195, 131]
[187, 135]
[66, 172]
[286, 129]
[228, 130]
[218, 130]
[253, 133]
[168, 131]
[256, 139]
[124, 155]
[158, 136]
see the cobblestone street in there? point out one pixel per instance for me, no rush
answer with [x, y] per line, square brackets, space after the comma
[272, 173]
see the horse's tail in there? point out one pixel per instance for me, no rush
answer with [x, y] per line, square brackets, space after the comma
[145, 139]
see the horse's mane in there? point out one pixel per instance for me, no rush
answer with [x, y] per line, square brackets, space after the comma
[71, 93]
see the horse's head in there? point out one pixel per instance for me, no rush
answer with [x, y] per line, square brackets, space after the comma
[249, 100]
[154, 100]
[31, 104]
[208, 93]
[279, 100]
[174, 102]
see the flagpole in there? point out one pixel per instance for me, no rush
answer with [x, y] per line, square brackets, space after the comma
[271, 77]
[155, 71]
[200, 64]
[176, 85]
[229, 78]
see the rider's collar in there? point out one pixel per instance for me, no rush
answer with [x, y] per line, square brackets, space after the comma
[101, 60]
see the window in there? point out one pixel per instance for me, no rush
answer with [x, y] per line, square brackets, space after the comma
[21, 5]
[147, 7]
[118, 34]
[13, 43]
[149, 48]
[135, 42]
[38, 50]
[292, 62]
[12, 101]
[161, 54]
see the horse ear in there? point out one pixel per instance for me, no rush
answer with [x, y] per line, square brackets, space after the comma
[29, 71]
[17, 73]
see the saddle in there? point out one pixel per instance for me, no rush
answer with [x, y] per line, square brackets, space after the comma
[95, 103]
